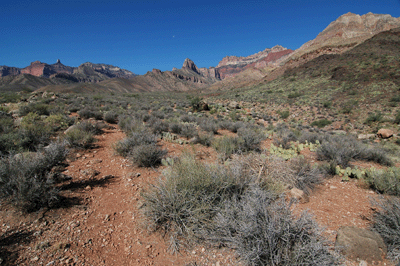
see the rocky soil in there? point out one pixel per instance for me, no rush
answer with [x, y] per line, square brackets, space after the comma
[101, 224]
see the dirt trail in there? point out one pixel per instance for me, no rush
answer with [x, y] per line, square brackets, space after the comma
[102, 226]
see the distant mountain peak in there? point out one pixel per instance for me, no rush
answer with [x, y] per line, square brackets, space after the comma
[190, 65]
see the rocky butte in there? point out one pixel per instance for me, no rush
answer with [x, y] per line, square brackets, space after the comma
[230, 66]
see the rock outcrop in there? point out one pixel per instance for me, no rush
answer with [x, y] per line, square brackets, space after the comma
[230, 66]
[9, 71]
[344, 33]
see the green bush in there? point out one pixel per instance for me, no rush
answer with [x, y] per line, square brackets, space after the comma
[284, 114]
[37, 108]
[385, 181]
[321, 123]
[111, 117]
[374, 117]
[226, 146]
[79, 138]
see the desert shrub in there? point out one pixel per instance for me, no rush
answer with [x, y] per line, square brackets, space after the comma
[306, 177]
[397, 118]
[264, 231]
[87, 113]
[6, 123]
[226, 146]
[196, 103]
[175, 128]
[373, 117]
[296, 172]
[208, 125]
[327, 104]
[79, 138]
[33, 132]
[284, 136]
[125, 146]
[284, 114]
[386, 222]
[321, 123]
[250, 139]
[59, 121]
[25, 178]
[188, 119]
[111, 117]
[194, 202]
[158, 126]
[342, 149]
[374, 154]
[147, 155]
[231, 126]
[37, 108]
[312, 137]
[130, 124]
[9, 97]
[94, 128]
[158, 114]
[385, 181]
[188, 131]
[204, 139]
[184, 199]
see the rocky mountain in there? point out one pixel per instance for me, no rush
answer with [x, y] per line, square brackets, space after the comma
[344, 33]
[230, 66]
[87, 72]
[189, 77]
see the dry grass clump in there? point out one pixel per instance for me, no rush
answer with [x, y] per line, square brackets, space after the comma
[386, 222]
[25, 178]
[231, 205]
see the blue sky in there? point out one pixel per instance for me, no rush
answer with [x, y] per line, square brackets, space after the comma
[142, 35]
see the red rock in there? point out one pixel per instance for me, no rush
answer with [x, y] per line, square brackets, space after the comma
[384, 133]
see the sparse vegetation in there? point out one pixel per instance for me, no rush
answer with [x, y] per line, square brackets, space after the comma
[386, 222]
[25, 178]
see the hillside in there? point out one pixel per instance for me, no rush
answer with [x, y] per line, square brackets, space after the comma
[344, 33]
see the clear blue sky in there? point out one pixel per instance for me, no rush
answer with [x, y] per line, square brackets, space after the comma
[142, 35]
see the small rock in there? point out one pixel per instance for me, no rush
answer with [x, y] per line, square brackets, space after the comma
[299, 195]
[107, 218]
[88, 188]
[35, 259]
[148, 246]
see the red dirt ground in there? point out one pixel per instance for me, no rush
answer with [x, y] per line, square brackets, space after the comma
[105, 227]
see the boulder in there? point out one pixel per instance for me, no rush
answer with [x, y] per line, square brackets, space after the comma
[299, 195]
[384, 133]
[360, 244]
